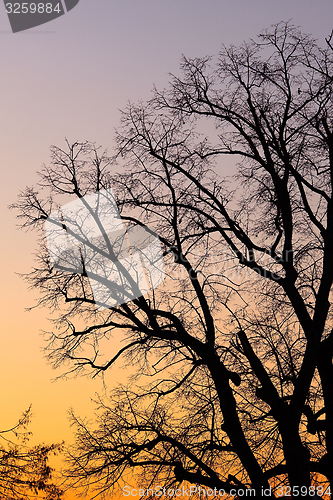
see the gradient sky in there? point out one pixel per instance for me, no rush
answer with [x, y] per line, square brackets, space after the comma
[69, 78]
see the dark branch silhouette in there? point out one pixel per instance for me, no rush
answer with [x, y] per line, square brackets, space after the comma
[233, 353]
[24, 470]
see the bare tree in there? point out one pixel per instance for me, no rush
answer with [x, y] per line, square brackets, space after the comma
[24, 470]
[233, 353]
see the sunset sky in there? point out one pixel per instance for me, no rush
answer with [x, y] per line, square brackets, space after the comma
[69, 78]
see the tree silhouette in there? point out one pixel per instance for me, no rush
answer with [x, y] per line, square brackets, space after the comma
[233, 353]
[24, 471]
